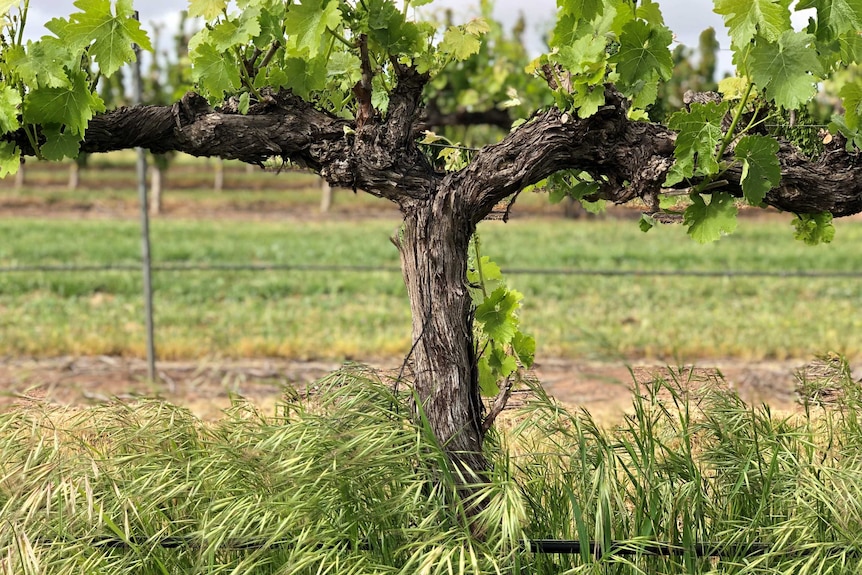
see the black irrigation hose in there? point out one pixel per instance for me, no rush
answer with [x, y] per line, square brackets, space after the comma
[186, 267]
[538, 546]
[700, 549]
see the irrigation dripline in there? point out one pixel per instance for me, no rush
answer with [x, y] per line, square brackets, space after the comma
[189, 267]
[595, 549]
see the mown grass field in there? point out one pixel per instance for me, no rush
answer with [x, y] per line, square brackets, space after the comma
[314, 314]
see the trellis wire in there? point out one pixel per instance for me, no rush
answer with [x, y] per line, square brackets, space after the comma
[344, 268]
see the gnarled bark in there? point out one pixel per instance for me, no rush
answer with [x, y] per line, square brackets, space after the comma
[433, 244]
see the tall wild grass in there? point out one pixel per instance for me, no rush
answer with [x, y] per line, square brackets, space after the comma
[346, 482]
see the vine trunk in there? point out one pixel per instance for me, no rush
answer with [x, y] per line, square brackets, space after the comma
[433, 242]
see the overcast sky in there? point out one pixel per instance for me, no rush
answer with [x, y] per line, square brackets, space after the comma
[686, 18]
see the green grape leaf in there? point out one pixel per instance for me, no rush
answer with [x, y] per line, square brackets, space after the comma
[230, 33]
[305, 76]
[501, 362]
[41, 65]
[389, 29]
[566, 31]
[557, 193]
[788, 70]
[588, 100]
[109, 37]
[490, 270]
[496, 315]
[643, 52]
[10, 101]
[746, 18]
[524, 347]
[477, 26]
[597, 207]
[850, 45]
[645, 92]
[209, 9]
[493, 366]
[10, 159]
[6, 5]
[270, 19]
[853, 135]
[733, 87]
[344, 64]
[59, 145]
[699, 135]
[760, 168]
[708, 222]
[72, 107]
[646, 223]
[650, 11]
[244, 102]
[582, 9]
[586, 55]
[581, 189]
[851, 95]
[487, 378]
[667, 202]
[271, 77]
[459, 44]
[491, 279]
[306, 24]
[215, 73]
[836, 15]
[814, 229]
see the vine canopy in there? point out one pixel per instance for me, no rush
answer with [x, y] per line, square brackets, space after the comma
[348, 59]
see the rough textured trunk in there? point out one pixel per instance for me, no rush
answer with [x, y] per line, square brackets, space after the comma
[433, 243]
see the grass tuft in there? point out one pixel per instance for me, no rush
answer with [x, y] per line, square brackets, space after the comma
[342, 481]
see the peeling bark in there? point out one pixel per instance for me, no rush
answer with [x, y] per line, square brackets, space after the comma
[433, 243]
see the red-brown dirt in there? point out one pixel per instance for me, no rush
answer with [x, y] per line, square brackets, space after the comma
[206, 387]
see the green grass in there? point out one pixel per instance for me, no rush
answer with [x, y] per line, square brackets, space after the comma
[307, 314]
[347, 483]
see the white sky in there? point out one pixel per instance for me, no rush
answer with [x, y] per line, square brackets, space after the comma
[686, 18]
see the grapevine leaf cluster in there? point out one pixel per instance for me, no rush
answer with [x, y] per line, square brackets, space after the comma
[779, 69]
[49, 84]
[814, 229]
[319, 49]
[503, 349]
[760, 169]
[850, 124]
[700, 133]
[314, 48]
[599, 41]
[491, 84]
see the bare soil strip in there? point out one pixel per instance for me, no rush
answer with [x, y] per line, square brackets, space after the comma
[208, 386]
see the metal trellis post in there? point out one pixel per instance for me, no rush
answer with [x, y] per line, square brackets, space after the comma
[146, 262]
